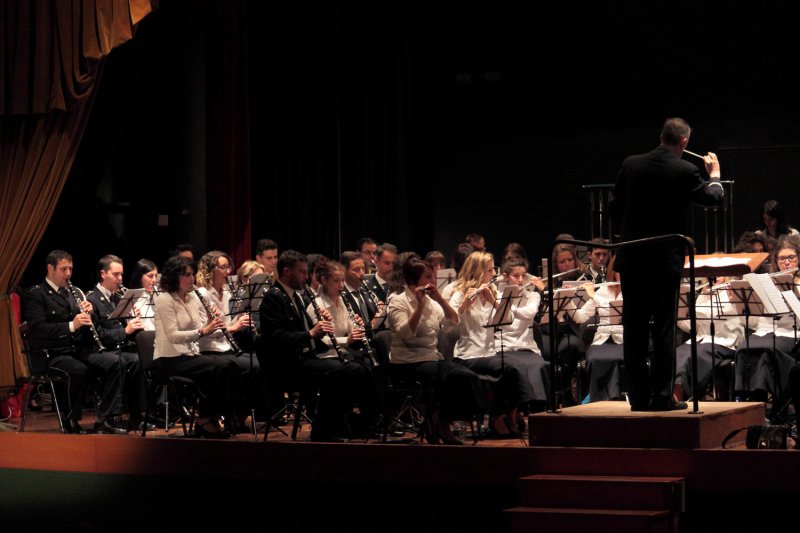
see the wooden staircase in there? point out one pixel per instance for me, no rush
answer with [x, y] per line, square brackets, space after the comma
[598, 503]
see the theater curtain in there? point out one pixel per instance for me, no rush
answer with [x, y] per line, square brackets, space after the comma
[51, 57]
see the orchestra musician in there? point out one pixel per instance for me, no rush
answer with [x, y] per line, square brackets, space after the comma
[266, 253]
[59, 338]
[179, 330]
[348, 335]
[416, 314]
[369, 250]
[289, 346]
[474, 298]
[378, 282]
[145, 276]
[653, 196]
[118, 335]
[518, 338]
[770, 340]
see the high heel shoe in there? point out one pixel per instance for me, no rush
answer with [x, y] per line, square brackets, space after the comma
[446, 435]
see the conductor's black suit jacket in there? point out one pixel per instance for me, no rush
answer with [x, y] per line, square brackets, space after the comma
[653, 196]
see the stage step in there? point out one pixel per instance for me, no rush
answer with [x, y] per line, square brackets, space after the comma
[535, 519]
[599, 503]
[604, 492]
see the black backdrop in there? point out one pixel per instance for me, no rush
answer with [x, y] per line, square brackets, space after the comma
[417, 122]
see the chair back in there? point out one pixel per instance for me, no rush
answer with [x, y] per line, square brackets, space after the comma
[146, 345]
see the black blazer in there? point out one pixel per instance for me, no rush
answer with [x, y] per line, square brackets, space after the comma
[284, 337]
[371, 309]
[111, 332]
[375, 287]
[48, 315]
[653, 196]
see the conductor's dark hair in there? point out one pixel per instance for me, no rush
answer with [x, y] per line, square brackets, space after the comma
[674, 130]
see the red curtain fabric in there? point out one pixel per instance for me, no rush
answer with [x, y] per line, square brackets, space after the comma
[50, 63]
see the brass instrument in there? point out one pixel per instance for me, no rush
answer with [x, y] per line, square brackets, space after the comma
[225, 332]
[80, 297]
[341, 353]
[352, 315]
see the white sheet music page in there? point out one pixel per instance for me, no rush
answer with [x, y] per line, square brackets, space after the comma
[794, 303]
[768, 293]
[716, 262]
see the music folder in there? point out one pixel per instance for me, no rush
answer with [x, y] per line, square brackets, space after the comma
[124, 308]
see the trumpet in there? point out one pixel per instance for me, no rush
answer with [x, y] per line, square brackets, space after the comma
[352, 315]
[225, 332]
[340, 352]
[476, 293]
[80, 297]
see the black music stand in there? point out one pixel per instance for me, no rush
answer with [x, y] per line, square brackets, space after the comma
[124, 308]
[750, 299]
[247, 300]
[562, 298]
[503, 317]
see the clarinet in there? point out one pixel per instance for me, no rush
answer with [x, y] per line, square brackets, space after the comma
[228, 336]
[372, 295]
[340, 352]
[367, 345]
[79, 297]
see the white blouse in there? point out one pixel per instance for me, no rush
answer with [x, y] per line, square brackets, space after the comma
[474, 340]
[519, 335]
[418, 345]
[178, 325]
[341, 323]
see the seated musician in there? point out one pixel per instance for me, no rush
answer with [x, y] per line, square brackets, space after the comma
[728, 333]
[474, 297]
[518, 337]
[378, 282]
[118, 335]
[770, 340]
[416, 315]
[597, 270]
[145, 276]
[289, 347]
[267, 255]
[179, 329]
[59, 337]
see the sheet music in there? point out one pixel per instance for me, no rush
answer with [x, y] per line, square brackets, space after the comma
[716, 262]
[793, 302]
[561, 299]
[768, 293]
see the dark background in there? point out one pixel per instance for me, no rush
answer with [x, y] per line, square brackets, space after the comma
[417, 122]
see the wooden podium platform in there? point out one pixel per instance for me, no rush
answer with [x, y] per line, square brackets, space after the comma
[613, 425]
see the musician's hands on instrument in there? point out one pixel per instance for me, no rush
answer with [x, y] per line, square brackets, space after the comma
[326, 315]
[712, 165]
[213, 325]
[355, 335]
[381, 310]
[322, 327]
[242, 321]
[81, 320]
[538, 284]
[589, 288]
[133, 325]
[86, 306]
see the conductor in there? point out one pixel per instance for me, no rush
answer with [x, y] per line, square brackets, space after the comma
[653, 196]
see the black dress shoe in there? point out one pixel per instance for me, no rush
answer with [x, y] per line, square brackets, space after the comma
[670, 405]
[72, 426]
[210, 430]
[107, 428]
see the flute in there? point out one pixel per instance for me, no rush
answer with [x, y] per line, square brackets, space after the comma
[476, 293]
[211, 313]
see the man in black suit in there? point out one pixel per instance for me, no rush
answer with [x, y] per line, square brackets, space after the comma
[288, 353]
[59, 335]
[378, 282]
[653, 196]
[118, 336]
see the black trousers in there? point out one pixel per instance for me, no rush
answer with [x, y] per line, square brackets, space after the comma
[213, 375]
[649, 296]
[456, 390]
[79, 367]
[341, 386]
[133, 390]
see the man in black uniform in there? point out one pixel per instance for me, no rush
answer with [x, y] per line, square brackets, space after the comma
[117, 336]
[653, 196]
[59, 334]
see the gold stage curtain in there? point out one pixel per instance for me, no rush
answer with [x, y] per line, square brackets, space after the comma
[51, 58]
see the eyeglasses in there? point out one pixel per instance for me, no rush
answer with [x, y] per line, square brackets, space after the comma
[787, 258]
[226, 268]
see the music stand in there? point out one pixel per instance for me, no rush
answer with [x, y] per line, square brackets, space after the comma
[247, 299]
[684, 305]
[124, 308]
[444, 277]
[756, 295]
[502, 316]
[562, 299]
